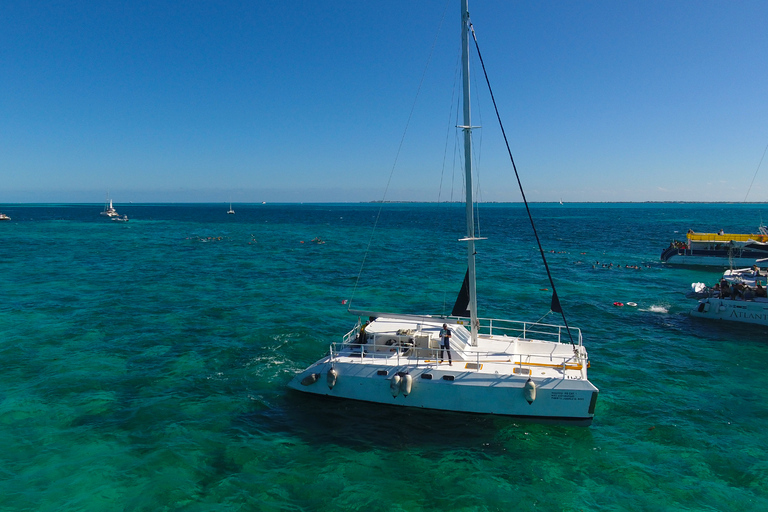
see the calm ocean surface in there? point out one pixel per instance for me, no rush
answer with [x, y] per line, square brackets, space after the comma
[144, 364]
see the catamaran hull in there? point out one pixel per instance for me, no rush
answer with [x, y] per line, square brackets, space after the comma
[715, 260]
[749, 312]
[458, 390]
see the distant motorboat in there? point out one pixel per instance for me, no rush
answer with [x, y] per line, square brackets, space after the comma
[4, 217]
[124, 218]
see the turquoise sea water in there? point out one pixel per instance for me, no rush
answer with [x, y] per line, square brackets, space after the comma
[144, 364]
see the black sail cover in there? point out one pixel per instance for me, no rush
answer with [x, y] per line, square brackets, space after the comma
[461, 308]
[555, 305]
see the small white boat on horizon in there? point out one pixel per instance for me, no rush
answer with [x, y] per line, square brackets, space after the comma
[4, 217]
[231, 211]
[109, 210]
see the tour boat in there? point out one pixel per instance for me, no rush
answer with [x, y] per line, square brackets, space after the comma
[718, 249]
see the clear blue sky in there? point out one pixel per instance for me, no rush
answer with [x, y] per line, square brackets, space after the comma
[307, 101]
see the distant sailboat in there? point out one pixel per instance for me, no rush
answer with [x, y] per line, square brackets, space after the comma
[109, 210]
[231, 211]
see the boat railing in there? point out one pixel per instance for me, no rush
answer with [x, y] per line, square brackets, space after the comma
[525, 330]
[405, 349]
[409, 355]
[671, 251]
[726, 237]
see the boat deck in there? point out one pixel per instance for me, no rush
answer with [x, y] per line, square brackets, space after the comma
[505, 348]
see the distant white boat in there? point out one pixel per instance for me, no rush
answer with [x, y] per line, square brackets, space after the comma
[4, 217]
[231, 211]
[124, 218]
[109, 210]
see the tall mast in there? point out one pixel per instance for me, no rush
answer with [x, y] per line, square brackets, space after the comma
[467, 128]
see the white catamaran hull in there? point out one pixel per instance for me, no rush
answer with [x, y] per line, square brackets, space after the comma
[744, 311]
[458, 390]
[714, 261]
[398, 362]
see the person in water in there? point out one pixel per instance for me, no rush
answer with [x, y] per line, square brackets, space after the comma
[445, 336]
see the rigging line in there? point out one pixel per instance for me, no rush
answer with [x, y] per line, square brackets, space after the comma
[543, 317]
[448, 131]
[555, 300]
[477, 148]
[456, 154]
[755, 176]
[397, 156]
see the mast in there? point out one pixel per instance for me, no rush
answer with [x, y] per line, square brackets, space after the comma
[467, 128]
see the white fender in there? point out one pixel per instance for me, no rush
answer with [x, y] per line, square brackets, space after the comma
[394, 385]
[529, 391]
[405, 384]
[331, 377]
[310, 379]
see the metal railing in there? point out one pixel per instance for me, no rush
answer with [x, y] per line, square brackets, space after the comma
[524, 330]
[377, 349]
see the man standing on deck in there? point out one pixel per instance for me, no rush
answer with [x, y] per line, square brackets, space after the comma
[445, 336]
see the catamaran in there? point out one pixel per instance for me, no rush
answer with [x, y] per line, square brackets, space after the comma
[738, 306]
[739, 296]
[109, 210]
[513, 368]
